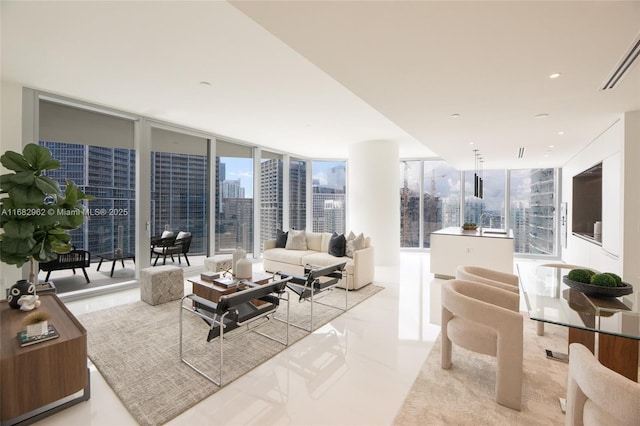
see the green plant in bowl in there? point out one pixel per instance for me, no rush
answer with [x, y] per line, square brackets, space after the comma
[580, 275]
[616, 277]
[603, 280]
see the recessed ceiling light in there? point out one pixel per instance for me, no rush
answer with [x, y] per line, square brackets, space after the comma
[552, 146]
[543, 115]
[561, 133]
[456, 115]
[205, 83]
[555, 75]
[471, 143]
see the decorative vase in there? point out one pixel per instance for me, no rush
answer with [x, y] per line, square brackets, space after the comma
[19, 289]
[38, 328]
[237, 255]
[243, 269]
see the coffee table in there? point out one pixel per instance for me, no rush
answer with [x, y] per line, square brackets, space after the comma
[211, 291]
[615, 322]
[115, 257]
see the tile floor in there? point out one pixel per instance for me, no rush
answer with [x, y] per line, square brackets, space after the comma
[355, 370]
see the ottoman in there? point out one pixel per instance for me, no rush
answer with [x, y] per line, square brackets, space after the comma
[161, 284]
[218, 263]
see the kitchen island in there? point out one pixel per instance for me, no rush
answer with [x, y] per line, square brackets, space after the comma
[453, 246]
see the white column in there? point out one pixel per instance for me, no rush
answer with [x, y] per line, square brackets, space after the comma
[374, 198]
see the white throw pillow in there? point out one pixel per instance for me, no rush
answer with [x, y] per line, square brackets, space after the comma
[167, 234]
[354, 244]
[182, 235]
[296, 240]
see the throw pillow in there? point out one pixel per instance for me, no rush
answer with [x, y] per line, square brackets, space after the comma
[166, 234]
[296, 240]
[337, 245]
[281, 239]
[354, 244]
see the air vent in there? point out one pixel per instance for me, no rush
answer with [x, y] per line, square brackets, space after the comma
[624, 65]
[521, 152]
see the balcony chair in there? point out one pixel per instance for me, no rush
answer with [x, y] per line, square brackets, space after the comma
[597, 395]
[234, 311]
[317, 281]
[75, 259]
[485, 319]
[179, 246]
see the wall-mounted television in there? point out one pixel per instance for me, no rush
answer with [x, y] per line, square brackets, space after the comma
[587, 203]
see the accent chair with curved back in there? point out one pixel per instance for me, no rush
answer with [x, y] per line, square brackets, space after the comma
[485, 319]
[491, 277]
[180, 246]
[597, 395]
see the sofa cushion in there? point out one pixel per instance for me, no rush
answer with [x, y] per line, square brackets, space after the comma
[314, 241]
[325, 259]
[296, 240]
[354, 244]
[292, 257]
[281, 238]
[337, 245]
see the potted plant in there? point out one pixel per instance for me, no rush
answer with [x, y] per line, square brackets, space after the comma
[34, 214]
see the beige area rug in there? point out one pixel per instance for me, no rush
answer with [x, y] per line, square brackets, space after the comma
[136, 349]
[465, 394]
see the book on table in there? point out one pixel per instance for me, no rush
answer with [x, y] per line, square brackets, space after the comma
[225, 282]
[25, 340]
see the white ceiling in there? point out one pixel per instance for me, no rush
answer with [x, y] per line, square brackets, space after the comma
[312, 77]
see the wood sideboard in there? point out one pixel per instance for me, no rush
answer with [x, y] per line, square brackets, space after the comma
[35, 377]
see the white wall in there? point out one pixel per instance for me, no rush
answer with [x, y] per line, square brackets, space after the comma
[374, 200]
[623, 138]
[10, 139]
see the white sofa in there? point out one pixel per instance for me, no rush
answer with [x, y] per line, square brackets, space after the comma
[360, 269]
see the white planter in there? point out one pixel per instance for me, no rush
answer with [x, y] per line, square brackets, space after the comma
[38, 328]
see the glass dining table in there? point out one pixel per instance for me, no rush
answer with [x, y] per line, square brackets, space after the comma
[611, 322]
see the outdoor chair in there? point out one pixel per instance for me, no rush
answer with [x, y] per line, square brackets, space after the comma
[234, 311]
[75, 259]
[179, 246]
[316, 281]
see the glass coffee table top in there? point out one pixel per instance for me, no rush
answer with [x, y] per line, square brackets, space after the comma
[550, 300]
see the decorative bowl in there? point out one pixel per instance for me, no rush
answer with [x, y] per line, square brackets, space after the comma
[598, 290]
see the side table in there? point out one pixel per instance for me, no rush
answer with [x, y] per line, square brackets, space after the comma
[34, 377]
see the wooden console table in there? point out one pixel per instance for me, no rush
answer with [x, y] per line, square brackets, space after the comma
[33, 378]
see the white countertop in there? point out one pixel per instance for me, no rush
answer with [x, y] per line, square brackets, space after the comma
[458, 231]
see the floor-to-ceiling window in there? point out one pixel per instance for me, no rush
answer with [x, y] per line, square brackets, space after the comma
[234, 197]
[441, 198]
[490, 207]
[297, 193]
[410, 177]
[179, 187]
[96, 152]
[329, 196]
[271, 192]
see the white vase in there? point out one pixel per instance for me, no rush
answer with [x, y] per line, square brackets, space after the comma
[237, 255]
[243, 269]
[38, 328]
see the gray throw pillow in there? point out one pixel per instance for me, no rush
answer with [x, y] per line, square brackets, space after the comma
[337, 245]
[281, 239]
[296, 240]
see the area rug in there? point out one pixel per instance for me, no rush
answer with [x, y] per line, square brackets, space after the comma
[136, 349]
[465, 394]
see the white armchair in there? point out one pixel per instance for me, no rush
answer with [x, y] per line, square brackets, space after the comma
[493, 278]
[485, 319]
[597, 395]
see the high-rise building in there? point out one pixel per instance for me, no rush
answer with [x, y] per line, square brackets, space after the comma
[297, 194]
[271, 178]
[335, 212]
[542, 212]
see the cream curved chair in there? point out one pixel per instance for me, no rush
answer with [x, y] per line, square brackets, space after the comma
[597, 395]
[491, 277]
[485, 319]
